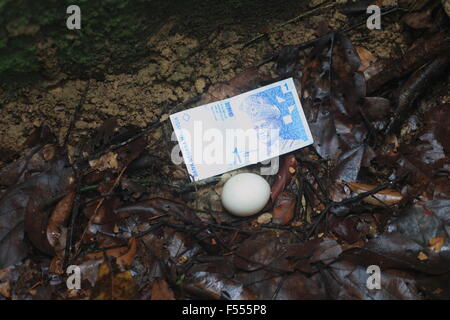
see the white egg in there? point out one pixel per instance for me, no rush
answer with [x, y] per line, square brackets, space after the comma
[245, 194]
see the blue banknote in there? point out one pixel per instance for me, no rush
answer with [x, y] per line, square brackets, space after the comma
[251, 127]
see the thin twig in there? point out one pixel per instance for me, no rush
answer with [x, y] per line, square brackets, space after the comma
[77, 111]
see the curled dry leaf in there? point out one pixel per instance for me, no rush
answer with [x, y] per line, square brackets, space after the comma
[385, 197]
[58, 218]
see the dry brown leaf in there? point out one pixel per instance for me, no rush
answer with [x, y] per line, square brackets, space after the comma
[422, 256]
[106, 161]
[161, 291]
[385, 197]
[436, 243]
[366, 57]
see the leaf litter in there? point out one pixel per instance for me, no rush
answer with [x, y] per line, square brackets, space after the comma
[370, 191]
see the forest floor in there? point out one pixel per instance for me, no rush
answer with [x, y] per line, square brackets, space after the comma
[372, 189]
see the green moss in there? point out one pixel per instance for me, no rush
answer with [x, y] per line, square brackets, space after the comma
[18, 56]
[112, 33]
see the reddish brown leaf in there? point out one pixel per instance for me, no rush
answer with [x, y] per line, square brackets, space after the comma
[57, 220]
[284, 208]
[161, 290]
[285, 173]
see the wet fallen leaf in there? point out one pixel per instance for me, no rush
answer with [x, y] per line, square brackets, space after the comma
[285, 173]
[22, 205]
[385, 197]
[262, 250]
[284, 208]
[216, 286]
